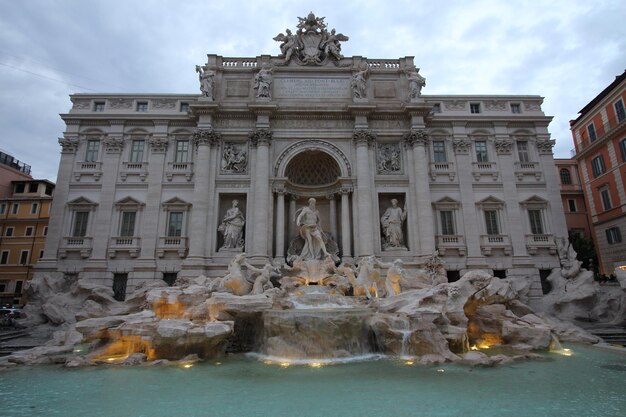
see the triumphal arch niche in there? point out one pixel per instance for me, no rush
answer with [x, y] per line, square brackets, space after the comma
[311, 123]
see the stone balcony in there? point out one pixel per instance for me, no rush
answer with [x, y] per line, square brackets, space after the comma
[485, 169]
[81, 244]
[90, 169]
[130, 169]
[536, 242]
[451, 242]
[443, 169]
[499, 242]
[528, 169]
[172, 244]
[174, 169]
[130, 244]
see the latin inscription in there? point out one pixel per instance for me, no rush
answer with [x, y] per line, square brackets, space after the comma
[312, 88]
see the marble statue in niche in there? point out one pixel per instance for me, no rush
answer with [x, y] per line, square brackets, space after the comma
[234, 158]
[359, 83]
[416, 82]
[207, 81]
[391, 221]
[232, 228]
[263, 83]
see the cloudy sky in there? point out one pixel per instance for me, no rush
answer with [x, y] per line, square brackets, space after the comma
[566, 51]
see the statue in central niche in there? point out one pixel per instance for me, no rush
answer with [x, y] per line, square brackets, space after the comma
[312, 244]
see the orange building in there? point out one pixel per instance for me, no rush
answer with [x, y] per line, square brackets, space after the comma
[600, 139]
[24, 219]
[573, 198]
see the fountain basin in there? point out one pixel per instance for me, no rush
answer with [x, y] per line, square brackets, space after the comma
[315, 333]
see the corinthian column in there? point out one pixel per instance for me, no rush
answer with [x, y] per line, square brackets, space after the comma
[280, 224]
[418, 139]
[261, 139]
[363, 140]
[345, 224]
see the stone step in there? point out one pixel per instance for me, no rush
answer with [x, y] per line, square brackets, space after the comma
[11, 334]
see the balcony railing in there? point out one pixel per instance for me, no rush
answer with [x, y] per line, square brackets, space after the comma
[172, 244]
[447, 242]
[82, 244]
[179, 168]
[523, 169]
[88, 168]
[540, 241]
[490, 242]
[442, 168]
[134, 168]
[480, 169]
[130, 244]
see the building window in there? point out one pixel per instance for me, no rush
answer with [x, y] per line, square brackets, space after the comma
[8, 232]
[41, 254]
[613, 235]
[98, 106]
[4, 257]
[566, 177]
[48, 190]
[439, 151]
[119, 286]
[136, 151]
[437, 108]
[93, 147]
[597, 166]
[45, 230]
[33, 208]
[16, 208]
[32, 187]
[24, 257]
[184, 107]
[3, 208]
[536, 225]
[481, 151]
[522, 151]
[175, 223]
[447, 222]
[20, 188]
[170, 277]
[474, 108]
[28, 231]
[591, 129]
[142, 106]
[572, 205]
[182, 151]
[79, 228]
[491, 222]
[605, 195]
[622, 149]
[619, 110]
[127, 227]
[516, 108]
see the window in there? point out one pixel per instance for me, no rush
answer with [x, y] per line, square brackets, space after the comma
[591, 129]
[20, 188]
[119, 286]
[170, 277]
[8, 231]
[92, 150]
[566, 177]
[4, 257]
[142, 106]
[572, 205]
[605, 195]
[175, 223]
[33, 208]
[522, 151]
[45, 230]
[481, 151]
[41, 254]
[474, 108]
[136, 151]
[98, 106]
[3, 208]
[32, 187]
[597, 166]
[48, 190]
[29, 231]
[439, 151]
[24, 257]
[622, 149]
[15, 208]
[613, 235]
[184, 107]
[182, 151]
[516, 108]
[437, 108]
[127, 227]
[447, 222]
[619, 110]
[536, 225]
[18, 287]
[79, 228]
[491, 222]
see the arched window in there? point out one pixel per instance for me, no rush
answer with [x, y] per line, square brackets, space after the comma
[566, 177]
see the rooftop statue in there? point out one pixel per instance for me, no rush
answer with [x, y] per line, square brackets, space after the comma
[207, 81]
[312, 44]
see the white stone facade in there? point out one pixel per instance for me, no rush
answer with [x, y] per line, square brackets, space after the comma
[145, 181]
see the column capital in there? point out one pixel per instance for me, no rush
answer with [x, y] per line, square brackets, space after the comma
[503, 146]
[346, 190]
[260, 137]
[68, 145]
[158, 144]
[331, 196]
[545, 146]
[363, 137]
[113, 144]
[415, 137]
[208, 137]
[279, 190]
[461, 146]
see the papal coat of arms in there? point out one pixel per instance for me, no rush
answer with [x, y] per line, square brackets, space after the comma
[312, 44]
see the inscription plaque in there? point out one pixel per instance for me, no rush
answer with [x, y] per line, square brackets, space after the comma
[312, 88]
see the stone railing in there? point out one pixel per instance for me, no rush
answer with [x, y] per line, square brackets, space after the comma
[391, 64]
[134, 168]
[446, 242]
[523, 169]
[179, 168]
[87, 169]
[173, 244]
[540, 241]
[480, 169]
[130, 244]
[239, 63]
[442, 168]
[82, 244]
[490, 242]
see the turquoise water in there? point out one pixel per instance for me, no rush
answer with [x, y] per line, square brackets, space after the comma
[589, 383]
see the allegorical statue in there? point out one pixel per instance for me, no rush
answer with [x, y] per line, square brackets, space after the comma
[308, 220]
[207, 81]
[416, 82]
[232, 228]
[359, 84]
[263, 83]
[392, 226]
[288, 45]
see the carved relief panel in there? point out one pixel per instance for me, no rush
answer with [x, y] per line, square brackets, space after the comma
[234, 158]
